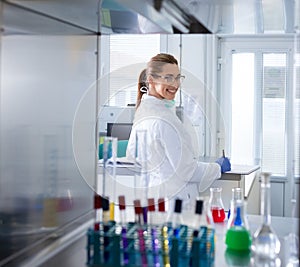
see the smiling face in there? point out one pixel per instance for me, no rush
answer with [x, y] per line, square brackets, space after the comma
[160, 85]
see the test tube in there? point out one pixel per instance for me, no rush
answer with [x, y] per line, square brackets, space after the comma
[176, 218]
[122, 207]
[138, 211]
[97, 208]
[142, 160]
[151, 211]
[165, 246]
[106, 227]
[154, 238]
[161, 211]
[138, 219]
[110, 147]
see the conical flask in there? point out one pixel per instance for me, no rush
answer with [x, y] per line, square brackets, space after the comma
[238, 236]
[265, 241]
[216, 204]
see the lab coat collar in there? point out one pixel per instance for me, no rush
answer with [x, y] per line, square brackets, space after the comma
[166, 103]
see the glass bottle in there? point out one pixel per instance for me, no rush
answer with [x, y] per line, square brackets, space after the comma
[238, 236]
[265, 241]
[216, 204]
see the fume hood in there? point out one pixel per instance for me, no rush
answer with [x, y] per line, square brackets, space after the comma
[161, 16]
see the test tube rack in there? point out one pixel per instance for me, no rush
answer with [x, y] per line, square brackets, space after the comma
[106, 248]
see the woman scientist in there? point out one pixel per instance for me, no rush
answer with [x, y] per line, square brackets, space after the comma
[172, 169]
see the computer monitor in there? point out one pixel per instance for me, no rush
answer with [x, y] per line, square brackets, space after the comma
[119, 130]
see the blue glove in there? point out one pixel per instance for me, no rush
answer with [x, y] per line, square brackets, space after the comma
[224, 163]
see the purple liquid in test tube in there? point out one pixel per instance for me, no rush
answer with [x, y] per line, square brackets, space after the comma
[124, 229]
[155, 247]
[154, 239]
[142, 247]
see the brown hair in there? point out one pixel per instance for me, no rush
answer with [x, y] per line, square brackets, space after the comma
[155, 65]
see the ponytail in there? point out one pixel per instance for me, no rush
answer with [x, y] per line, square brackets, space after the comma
[142, 83]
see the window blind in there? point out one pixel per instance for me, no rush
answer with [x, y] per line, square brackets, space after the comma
[129, 54]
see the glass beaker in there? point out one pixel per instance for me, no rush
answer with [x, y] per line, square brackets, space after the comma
[265, 241]
[238, 236]
[216, 204]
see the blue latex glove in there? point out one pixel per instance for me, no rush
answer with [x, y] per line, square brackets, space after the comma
[224, 163]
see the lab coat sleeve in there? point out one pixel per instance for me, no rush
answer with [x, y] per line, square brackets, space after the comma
[131, 146]
[206, 174]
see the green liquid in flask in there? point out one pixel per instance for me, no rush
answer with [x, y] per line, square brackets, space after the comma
[238, 238]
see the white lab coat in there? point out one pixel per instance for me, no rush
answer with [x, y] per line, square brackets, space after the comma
[172, 169]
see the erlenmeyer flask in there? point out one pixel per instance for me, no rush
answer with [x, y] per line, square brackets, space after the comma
[238, 236]
[265, 241]
[216, 204]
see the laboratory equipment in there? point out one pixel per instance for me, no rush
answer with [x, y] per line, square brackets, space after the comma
[106, 227]
[175, 221]
[138, 211]
[123, 221]
[165, 246]
[292, 239]
[238, 236]
[216, 204]
[141, 231]
[154, 247]
[203, 226]
[141, 170]
[237, 194]
[292, 250]
[153, 244]
[97, 209]
[109, 168]
[151, 211]
[203, 216]
[235, 258]
[265, 241]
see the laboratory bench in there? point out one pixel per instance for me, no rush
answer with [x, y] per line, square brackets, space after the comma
[70, 250]
[242, 176]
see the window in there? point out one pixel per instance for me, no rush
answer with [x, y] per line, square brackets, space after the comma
[296, 112]
[259, 109]
[274, 113]
[128, 56]
[260, 99]
[242, 108]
